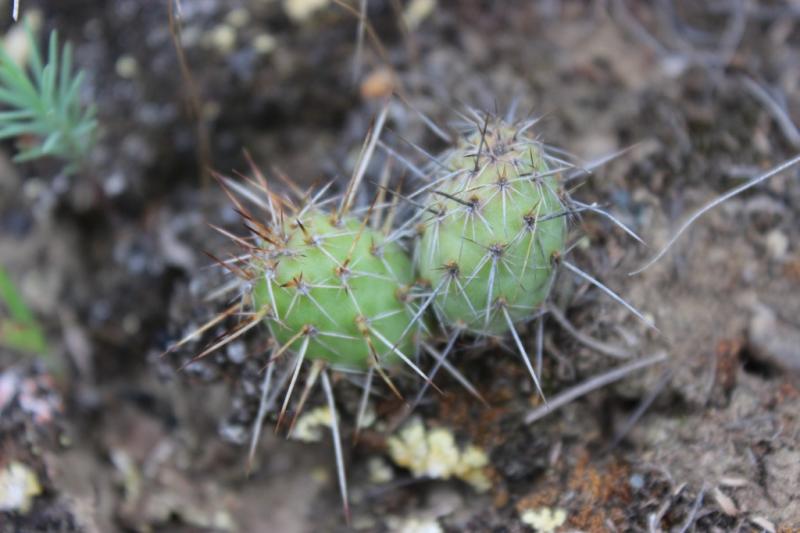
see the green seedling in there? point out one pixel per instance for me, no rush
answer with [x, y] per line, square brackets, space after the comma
[19, 330]
[43, 104]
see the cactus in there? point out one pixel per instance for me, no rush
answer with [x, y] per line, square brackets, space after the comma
[493, 232]
[493, 228]
[332, 284]
[332, 288]
[338, 283]
[337, 288]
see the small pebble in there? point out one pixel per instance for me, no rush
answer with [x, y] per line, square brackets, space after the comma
[777, 244]
[223, 38]
[238, 18]
[16, 43]
[417, 11]
[378, 84]
[115, 184]
[126, 67]
[264, 43]
[414, 524]
[774, 341]
[234, 433]
[302, 10]
[237, 352]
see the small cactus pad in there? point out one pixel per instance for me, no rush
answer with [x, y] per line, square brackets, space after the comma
[493, 226]
[341, 285]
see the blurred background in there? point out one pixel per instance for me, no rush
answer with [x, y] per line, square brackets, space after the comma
[103, 264]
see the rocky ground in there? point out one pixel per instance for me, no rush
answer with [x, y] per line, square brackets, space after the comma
[104, 434]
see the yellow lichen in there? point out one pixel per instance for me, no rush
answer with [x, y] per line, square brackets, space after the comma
[18, 487]
[379, 470]
[544, 519]
[309, 425]
[471, 468]
[443, 455]
[434, 454]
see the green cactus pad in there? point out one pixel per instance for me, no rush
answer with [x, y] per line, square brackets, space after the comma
[493, 227]
[340, 284]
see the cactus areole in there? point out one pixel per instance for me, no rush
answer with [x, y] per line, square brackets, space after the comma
[336, 288]
[494, 226]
